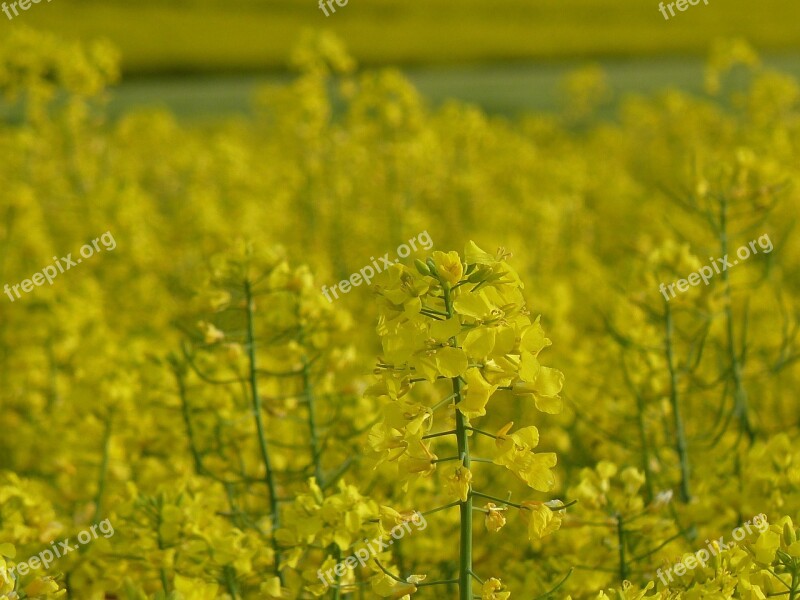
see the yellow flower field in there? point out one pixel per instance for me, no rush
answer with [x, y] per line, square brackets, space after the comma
[518, 411]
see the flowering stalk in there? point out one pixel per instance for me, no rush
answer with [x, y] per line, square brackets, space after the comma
[465, 545]
[465, 322]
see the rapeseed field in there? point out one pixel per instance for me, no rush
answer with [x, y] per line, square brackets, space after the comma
[570, 372]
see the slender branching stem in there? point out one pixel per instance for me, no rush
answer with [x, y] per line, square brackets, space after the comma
[308, 395]
[739, 391]
[103, 476]
[623, 562]
[680, 433]
[446, 506]
[269, 475]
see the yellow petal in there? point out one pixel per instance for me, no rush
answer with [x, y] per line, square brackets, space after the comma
[549, 382]
[474, 255]
[452, 362]
[473, 304]
[442, 331]
[479, 342]
[478, 393]
[529, 367]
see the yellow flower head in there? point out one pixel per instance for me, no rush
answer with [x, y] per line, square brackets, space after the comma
[495, 519]
[448, 266]
[492, 590]
[457, 480]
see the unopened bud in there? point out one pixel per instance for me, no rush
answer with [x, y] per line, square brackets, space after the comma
[479, 275]
[789, 535]
[422, 267]
[432, 267]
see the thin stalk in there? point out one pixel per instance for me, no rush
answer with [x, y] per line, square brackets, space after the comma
[336, 592]
[642, 426]
[465, 545]
[562, 506]
[160, 542]
[308, 395]
[446, 506]
[623, 564]
[101, 484]
[506, 502]
[680, 433]
[648, 475]
[164, 580]
[486, 433]
[547, 595]
[739, 391]
[230, 582]
[187, 419]
[269, 476]
[53, 397]
[440, 434]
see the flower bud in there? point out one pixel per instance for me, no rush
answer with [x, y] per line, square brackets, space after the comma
[422, 268]
[432, 267]
[480, 274]
[789, 535]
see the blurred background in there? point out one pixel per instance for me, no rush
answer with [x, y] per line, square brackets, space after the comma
[202, 57]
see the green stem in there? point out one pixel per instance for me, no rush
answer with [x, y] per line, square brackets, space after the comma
[336, 592]
[440, 434]
[164, 580]
[739, 391]
[160, 542]
[562, 506]
[648, 475]
[446, 506]
[53, 396]
[308, 394]
[547, 595]
[506, 502]
[101, 484]
[187, 418]
[269, 476]
[230, 581]
[448, 459]
[642, 426]
[623, 565]
[486, 433]
[680, 434]
[441, 582]
[465, 546]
